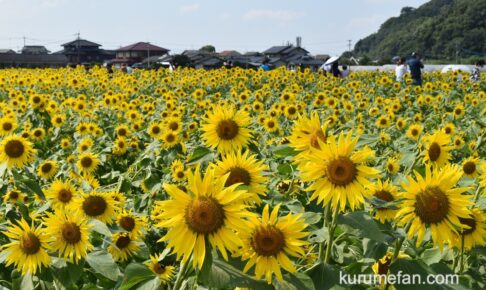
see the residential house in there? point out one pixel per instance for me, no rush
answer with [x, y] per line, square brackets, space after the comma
[137, 52]
[32, 60]
[34, 49]
[84, 51]
[7, 51]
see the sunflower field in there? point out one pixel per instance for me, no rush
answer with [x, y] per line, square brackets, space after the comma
[239, 179]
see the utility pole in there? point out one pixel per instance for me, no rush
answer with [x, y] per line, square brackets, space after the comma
[77, 45]
[24, 40]
[148, 54]
[349, 45]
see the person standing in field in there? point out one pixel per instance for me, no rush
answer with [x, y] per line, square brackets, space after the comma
[476, 73]
[415, 66]
[400, 69]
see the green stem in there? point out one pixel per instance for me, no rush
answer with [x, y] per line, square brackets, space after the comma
[327, 258]
[454, 264]
[327, 217]
[400, 243]
[180, 275]
[476, 195]
[461, 262]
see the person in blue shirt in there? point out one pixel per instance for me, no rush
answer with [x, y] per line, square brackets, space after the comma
[264, 66]
[415, 66]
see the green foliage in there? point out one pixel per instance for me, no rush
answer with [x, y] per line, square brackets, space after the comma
[439, 29]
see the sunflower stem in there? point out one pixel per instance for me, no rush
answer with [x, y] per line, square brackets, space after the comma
[400, 243]
[180, 275]
[332, 228]
[461, 262]
[327, 217]
[476, 195]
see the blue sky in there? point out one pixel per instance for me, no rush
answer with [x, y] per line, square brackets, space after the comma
[243, 25]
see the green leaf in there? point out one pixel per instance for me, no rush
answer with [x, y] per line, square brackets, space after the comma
[203, 275]
[411, 267]
[373, 249]
[153, 284]
[285, 169]
[226, 276]
[198, 154]
[297, 281]
[135, 274]
[319, 236]
[34, 187]
[431, 256]
[284, 151]
[103, 263]
[312, 217]
[364, 224]
[324, 276]
[100, 227]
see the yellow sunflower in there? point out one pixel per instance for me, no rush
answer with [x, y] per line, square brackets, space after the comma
[475, 234]
[414, 131]
[386, 192]
[68, 235]
[270, 240]
[131, 223]
[14, 196]
[16, 151]
[243, 169]
[48, 169]
[169, 139]
[307, 133]
[434, 202]
[164, 272]
[61, 194]
[225, 129]
[208, 211]
[437, 149]
[339, 173]
[392, 165]
[470, 167]
[27, 249]
[97, 205]
[7, 126]
[123, 246]
[87, 162]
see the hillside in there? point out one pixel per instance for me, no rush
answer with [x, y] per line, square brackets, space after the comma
[438, 30]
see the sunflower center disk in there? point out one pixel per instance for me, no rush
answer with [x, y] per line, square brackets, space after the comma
[238, 175]
[64, 195]
[469, 167]
[156, 130]
[159, 269]
[432, 205]
[341, 171]
[14, 148]
[127, 223]
[468, 222]
[174, 126]
[46, 168]
[227, 129]
[384, 266]
[314, 141]
[434, 151]
[71, 233]
[14, 195]
[268, 241]
[86, 162]
[204, 215]
[7, 126]
[30, 243]
[123, 242]
[94, 206]
[384, 195]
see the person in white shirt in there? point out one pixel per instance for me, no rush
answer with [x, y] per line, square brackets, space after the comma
[401, 69]
[345, 71]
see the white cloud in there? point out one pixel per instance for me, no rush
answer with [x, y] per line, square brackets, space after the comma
[189, 8]
[278, 15]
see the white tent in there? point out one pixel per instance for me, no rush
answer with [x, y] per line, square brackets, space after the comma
[454, 67]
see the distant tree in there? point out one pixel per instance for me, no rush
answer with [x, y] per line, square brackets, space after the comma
[365, 60]
[406, 10]
[180, 60]
[208, 48]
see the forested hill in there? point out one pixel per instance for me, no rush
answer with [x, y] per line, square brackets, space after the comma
[439, 29]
